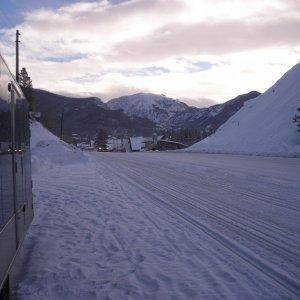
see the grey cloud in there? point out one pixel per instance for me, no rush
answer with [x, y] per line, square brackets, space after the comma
[116, 91]
[101, 17]
[120, 90]
[113, 91]
[210, 38]
[293, 4]
[149, 71]
[68, 31]
[200, 103]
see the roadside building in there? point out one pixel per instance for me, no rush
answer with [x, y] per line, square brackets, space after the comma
[147, 143]
[87, 146]
[136, 143]
[163, 145]
[118, 144]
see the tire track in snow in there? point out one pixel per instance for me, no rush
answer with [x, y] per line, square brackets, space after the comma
[219, 215]
[284, 234]
[280, 277]
[232, 221]
[213, 181]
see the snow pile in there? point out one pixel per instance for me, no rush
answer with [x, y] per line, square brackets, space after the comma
[263, 126]
[48, 150]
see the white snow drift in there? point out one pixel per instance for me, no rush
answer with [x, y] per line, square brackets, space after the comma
[48, 150]
[264, 126]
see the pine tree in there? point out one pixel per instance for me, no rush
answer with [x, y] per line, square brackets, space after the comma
[101, 139]
[26, 86]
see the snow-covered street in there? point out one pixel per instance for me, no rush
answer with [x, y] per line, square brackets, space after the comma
[165, 226]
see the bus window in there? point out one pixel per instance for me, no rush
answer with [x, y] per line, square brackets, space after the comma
[6, 176]
[20, 150]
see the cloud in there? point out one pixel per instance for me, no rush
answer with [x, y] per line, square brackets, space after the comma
[113, 91]
[189, 49]
[67, 58]
[200, 103]
[198, 66]
[149, 71]
[210, 38]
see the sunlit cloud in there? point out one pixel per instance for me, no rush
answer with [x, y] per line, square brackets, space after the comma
[186, 49]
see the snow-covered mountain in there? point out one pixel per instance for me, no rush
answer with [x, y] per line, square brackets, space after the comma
[264, 126]
[85, 116]
[171, 114]
[213, 116]
[157, 108]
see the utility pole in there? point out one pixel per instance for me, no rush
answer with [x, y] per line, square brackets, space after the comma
[61, 123]
[17, 55]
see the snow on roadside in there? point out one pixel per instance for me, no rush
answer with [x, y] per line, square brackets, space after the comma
[263, 126]
[48, 150]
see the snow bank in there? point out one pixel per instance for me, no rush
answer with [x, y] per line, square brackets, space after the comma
[263, 126]
[47, 150]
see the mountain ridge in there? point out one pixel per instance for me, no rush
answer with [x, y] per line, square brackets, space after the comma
[152, 106]
[85, 116]
[171, 113]
[146, 114]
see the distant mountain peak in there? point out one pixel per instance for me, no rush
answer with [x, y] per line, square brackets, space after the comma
[171, 113]
[146, 105]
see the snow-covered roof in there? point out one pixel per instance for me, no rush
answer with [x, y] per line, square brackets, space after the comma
[136, 143]
[147, 139]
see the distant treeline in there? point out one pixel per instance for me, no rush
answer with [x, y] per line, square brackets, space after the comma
[190, 136]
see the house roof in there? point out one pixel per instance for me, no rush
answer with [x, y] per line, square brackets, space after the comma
[136, 143]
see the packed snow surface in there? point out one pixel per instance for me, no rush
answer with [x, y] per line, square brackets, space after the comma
[264, 125]
[161, 226]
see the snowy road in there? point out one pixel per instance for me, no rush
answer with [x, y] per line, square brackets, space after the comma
[165, 226]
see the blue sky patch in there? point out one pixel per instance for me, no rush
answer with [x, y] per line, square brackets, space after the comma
[65, 58]
[12, 11]
[150, 71]
[199, 66]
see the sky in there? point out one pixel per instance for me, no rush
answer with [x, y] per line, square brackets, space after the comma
[198, 51]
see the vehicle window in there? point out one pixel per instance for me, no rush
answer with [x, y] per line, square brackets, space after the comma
[6, 177]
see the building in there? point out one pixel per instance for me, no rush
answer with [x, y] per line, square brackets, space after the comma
[118, 145]
[163, 145]
[136, 143]
[88, 146]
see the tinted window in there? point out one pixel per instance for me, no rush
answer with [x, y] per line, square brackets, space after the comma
[6, 178]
